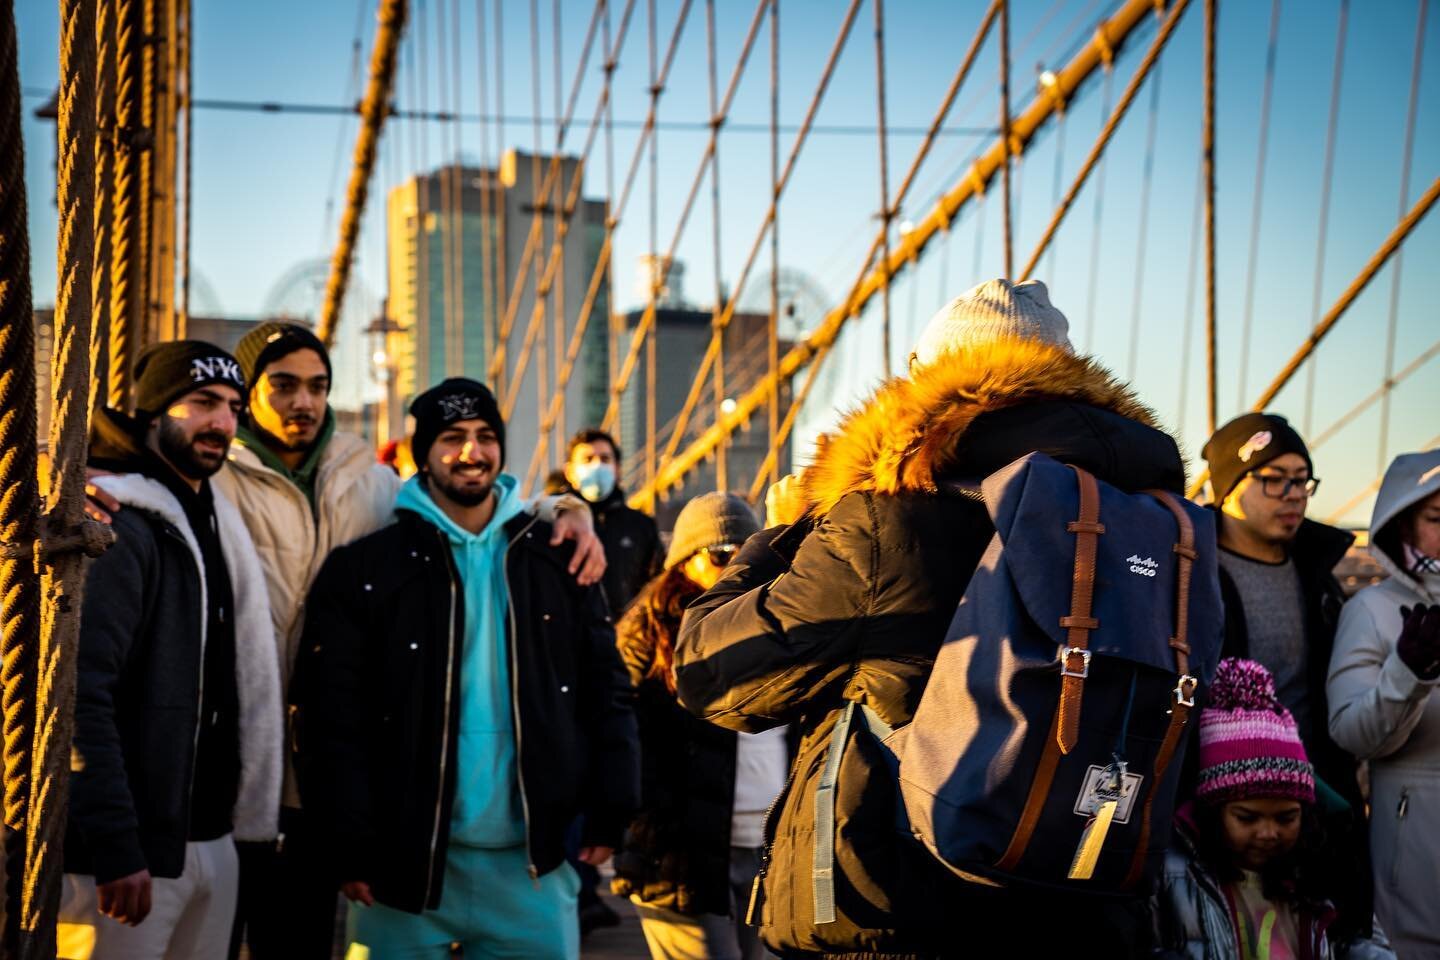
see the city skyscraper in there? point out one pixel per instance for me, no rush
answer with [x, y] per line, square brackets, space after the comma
[448, 306]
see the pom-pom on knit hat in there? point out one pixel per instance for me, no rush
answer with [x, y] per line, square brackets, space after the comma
[1249, 745]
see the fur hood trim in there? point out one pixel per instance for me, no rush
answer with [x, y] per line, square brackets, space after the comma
[906, 434]
[257, 667]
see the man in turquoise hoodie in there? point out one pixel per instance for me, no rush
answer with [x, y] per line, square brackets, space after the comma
[460, 702]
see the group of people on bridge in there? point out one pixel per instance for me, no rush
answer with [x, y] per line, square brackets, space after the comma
[301, 676]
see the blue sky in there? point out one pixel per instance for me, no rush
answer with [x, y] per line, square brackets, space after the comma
[263, 180]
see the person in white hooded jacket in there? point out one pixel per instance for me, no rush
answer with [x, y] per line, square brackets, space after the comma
[1383, 702]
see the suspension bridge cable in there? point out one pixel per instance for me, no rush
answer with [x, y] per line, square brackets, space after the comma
[722, 472]
[446, 178]
[377, 93]
[558, 300]
[1327, 181]
[352, 93]
[1406, 162]
[770, 467]
[1058, 179]
[534, 237]
[1098, 217]
[612, 317]
[145, 265]
[659, 270]
[187, 77]
[886, 213]
[1207, 159]
[419, 161]
[63, 569]
[1192, 280]
[457, 201]
[1337, 310]
[19, 483]
[1167, 29]
[827, 72]
[1266, 97]
[545, 277]
[103, 162]
[772, 328]
[126, 298]
[1111, 34]
[1371, 487]
[1387, 386]
[1142, 248]
[1007, 228]
[487, 254]
[502, 210]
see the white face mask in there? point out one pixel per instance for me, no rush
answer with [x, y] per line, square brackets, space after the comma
[595, 481]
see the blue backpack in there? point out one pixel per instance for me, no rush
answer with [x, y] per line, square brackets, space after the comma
[1046, 748]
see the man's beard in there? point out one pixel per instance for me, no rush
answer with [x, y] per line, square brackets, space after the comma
[181, 453]
[296, 446]
[465, 494]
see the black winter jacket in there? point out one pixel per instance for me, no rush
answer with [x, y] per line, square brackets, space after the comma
[853, 604]
[377, 708]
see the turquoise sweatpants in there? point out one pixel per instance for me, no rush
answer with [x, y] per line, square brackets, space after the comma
[489, 906]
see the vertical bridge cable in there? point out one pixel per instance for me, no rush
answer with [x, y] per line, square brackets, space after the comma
[1142, 248]
[445, 174]
[104, 152]
[187, 79]
[458, 189]
[126, 298]
[772, 345]
[1167, 29]
[502, 256]
[144, 265]
[722, 473]
[372, 119]
[19, 486]
[886, 214]
[1327, 180]
[562, 228]
[1187, 335]
[659, 270]
[1096, 233]
[1407, 159]
[1207, 156]
[1004, 140]
[1266, 96]
[487, 255]
[63, 570]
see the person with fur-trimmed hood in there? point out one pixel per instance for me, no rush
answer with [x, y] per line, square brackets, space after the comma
[177, 743]
[852, 601]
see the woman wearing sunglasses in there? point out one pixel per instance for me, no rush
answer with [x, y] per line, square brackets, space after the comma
[691, 855]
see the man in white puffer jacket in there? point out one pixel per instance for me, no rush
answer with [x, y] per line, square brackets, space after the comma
[303, 489]
[1383, 702]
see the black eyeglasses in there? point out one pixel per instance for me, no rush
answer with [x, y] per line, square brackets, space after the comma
[722, 554]
[1278, 487]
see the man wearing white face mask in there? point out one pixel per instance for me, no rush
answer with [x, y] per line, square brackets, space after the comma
[631, 539]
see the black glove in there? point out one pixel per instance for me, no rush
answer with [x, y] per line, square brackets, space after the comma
[1419, 643]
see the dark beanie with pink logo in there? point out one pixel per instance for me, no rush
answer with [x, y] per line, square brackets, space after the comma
[1247, 443]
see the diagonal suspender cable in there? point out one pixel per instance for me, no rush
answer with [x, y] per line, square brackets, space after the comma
[724, 319]
[126, 299]
[1406, 162]
[770, 466]
[1381, 392]
[372, 114]
[19, 483]
[1167, 29]
[1327, 182]
[1266, 97]
[1371, 487]
[1113, 32]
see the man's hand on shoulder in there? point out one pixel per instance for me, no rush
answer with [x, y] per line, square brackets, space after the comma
[126, 899]
[99, 505]
[573, 521]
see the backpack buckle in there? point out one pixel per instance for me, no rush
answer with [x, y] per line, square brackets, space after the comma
[1185, 691]
[1084, 656]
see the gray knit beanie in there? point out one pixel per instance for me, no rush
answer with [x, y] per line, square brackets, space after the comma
[991, 311]
[710, 520]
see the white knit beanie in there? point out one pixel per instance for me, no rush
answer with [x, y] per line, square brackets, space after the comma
[996, 309]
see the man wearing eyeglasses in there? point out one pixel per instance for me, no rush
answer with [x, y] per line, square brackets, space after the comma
[1282, 605]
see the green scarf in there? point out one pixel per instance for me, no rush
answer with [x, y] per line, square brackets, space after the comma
[302, 476]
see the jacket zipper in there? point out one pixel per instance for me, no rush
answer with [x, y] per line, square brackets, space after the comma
[445, 729]
[200, 686]
[515, 703]
[1402, 809]
[751, 919]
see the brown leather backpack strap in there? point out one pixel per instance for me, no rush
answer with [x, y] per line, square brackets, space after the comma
[1075, 659]
[1184, 693]
[1034, 801]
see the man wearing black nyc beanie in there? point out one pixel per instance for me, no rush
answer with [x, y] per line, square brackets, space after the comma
[449, 402]
[1282, 605]
[169, 370]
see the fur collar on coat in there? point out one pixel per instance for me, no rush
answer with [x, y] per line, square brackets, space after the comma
[906, 434]
[257, 669]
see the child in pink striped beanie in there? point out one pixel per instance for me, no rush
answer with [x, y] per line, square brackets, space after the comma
[1249, 745]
